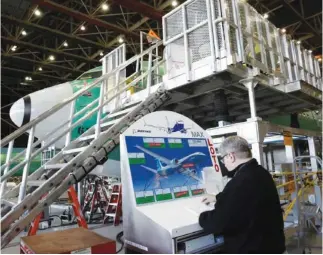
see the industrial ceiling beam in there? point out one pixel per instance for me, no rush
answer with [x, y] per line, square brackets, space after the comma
[33, 73]
[43, 29]
[139, 7]
[301, 17]
[84, 17]
[46, 49]
[40, 63]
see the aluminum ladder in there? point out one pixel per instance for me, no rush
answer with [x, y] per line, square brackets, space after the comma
[78, 157]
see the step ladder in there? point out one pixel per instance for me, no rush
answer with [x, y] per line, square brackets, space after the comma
[96, 199]
[80, 156]
[76, 208]
[114, 209]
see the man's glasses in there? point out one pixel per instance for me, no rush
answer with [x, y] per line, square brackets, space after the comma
[222, 158]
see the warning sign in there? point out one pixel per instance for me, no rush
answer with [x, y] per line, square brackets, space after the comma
[152, 37]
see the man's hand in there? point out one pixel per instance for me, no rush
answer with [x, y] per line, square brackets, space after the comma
[208, 199]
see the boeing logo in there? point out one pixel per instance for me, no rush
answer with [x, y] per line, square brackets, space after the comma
[134, 131]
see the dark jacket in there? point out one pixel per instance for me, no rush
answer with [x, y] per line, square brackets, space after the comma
[247, 213]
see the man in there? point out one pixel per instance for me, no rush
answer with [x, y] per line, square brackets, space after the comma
[247, 212]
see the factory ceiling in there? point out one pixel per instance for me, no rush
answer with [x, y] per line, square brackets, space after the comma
[53, 41]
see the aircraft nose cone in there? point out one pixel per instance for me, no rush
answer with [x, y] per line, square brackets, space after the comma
[20, 111]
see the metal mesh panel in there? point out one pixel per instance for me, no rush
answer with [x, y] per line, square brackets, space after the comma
[199, 43]
[273, 37]
[174, 63]
[257, 50]
[268, 58]
[264, 32]
[219, 26]
[196, 13]
[243, 17]
[229, 11]
[277, 63]
[174, 24]
[233, 40]
[252, 18]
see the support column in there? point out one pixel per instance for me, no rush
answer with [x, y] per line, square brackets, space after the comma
[270, 158]
[312, 152]
[258, 153]
[250, 84]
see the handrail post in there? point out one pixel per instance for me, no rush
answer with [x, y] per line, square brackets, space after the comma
[9, 152]
[69, 133]
[149, 72]
[98, 117]
[117, 89]
[23, 186]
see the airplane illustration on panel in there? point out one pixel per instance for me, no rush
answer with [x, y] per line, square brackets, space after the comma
[178, 127]
[166, 167]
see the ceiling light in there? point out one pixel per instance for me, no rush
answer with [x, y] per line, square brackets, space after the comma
[310, 51]
[283, 30]
[40, 69]
[82, 28]
[105, 7]
[298, 42]
[65, 44]
[320, 59]
[14, 48]
[174, 3]
[28, 78]
[101, 53]
[266, 16]
[51, 58]
[23, 32]
[121, 40]
[37, 13]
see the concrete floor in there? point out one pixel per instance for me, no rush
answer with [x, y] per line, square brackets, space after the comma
[104, 230]
[310, 240]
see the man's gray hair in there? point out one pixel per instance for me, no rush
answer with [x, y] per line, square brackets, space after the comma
[235, 144]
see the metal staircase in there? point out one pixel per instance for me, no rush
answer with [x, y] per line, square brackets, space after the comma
[78, 157]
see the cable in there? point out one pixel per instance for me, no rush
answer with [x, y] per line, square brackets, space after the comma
[119, 240]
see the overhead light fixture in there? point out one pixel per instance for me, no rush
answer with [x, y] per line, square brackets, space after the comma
[51, 58]
[101, 53]
[320, 59]
[65, 44]
[266, 16]
[105, 7]
[82, 28]
[40, 69]
[23, 32]
[121, 39]
[283, 30]
[174, 3]
[28, 78]
[14, 48]
[24, 83]
[37, 12]
[298, 42]
[310, 51]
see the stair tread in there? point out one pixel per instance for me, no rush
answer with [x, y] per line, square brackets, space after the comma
[35, 182]
[70, 151]
[131, 103]
[109, 123]
[55, 166]
[115, 114]
[87, 137]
